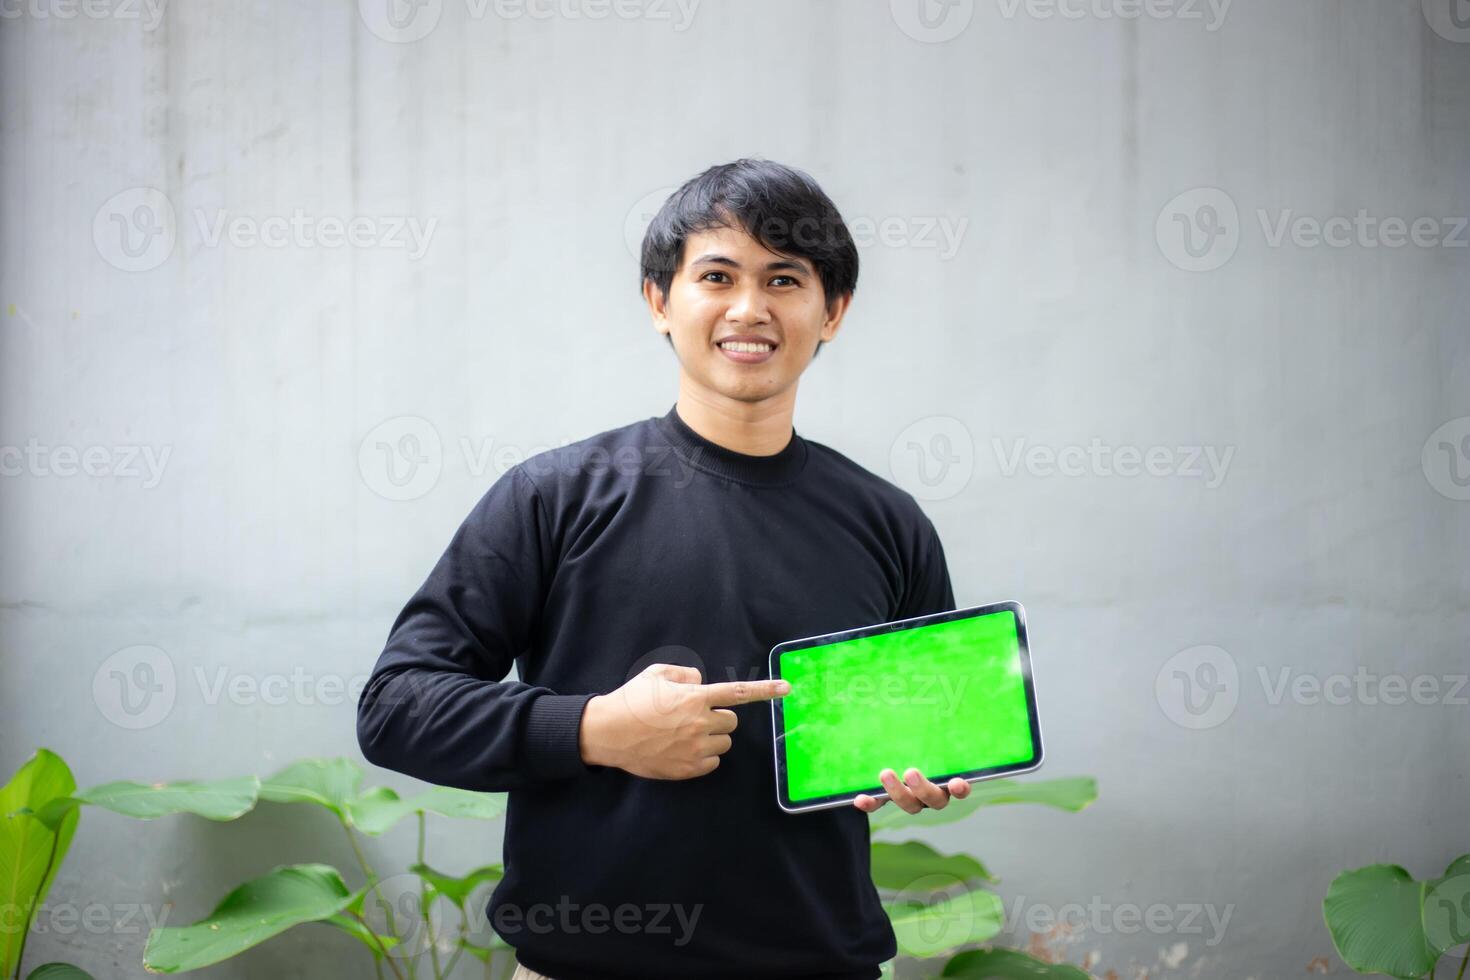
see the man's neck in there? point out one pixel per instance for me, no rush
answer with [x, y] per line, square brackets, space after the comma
[755, 429]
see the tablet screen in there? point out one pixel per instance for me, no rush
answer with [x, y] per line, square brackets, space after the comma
[950, 694]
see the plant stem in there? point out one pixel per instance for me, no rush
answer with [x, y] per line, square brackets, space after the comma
[391, 965]
[458, 949]
[374, 885]
[424, 907]
[1462, 965]
[30, 916]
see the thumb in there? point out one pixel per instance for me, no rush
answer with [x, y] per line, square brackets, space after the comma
[676, 672]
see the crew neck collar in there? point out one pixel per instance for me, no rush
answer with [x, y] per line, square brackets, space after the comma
[699, 452]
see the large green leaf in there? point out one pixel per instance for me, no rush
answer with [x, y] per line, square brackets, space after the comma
[252, 913]
[58, 971]
[1007, 964]
[380, 808]
[457, 890]
[331, 783]
[1375, 917]
[30, 852]
[1072, 793]
[929, 927]
[913, 863]
[222, 799]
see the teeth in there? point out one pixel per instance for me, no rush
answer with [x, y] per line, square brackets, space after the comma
[746, 348]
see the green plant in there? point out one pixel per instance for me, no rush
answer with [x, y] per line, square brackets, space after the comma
[41, 809]
[30, 854]
[941, 902]
[1383, 921]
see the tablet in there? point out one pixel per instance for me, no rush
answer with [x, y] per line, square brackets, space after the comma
[950, 694]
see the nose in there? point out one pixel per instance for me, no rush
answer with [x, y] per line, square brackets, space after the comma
[748, 306]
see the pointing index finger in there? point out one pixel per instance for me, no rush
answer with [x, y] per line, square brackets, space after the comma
[742, 692]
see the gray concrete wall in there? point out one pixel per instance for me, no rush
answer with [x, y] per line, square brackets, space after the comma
[1022, 175]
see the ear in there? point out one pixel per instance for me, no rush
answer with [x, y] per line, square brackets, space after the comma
[838, 310]
[657, 306]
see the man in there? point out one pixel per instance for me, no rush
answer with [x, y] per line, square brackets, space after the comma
[638, 579]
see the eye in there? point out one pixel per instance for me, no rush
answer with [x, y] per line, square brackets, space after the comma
[789, 279]
[708, 274]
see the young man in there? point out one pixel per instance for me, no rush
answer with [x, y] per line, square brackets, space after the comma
[638, 580]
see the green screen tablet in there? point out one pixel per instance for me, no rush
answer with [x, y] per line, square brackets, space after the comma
[950, 694]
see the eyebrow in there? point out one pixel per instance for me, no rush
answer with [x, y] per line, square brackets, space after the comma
[714, 258]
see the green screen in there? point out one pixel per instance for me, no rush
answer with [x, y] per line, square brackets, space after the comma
[946, 698]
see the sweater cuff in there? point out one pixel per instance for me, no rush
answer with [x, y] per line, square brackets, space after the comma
[553, 730]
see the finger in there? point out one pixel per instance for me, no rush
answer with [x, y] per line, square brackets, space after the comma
[900, 794]
[959, 788]
[676, 672]
[722, 720]
[868, 803]
[932, 796]
[717, 744]
[743, 692]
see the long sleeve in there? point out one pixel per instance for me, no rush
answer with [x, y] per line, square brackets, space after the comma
[437, 706]
[928, 588]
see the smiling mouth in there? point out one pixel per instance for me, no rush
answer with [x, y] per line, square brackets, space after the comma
[747, 352]
[746, 347]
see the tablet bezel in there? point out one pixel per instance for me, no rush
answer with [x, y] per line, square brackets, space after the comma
[915, 622]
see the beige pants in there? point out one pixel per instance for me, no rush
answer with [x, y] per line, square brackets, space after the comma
[524, 974]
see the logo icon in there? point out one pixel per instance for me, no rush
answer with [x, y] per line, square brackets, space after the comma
[1447, 912]
[640, 216]
[935, 913]
[400, 21]
[135, 230]
[934, 458]
[1199, 230]
[932, 21]
[396, 907]
[1446, 459]
[136, 687]
[656, 710]
[1450, 19]
[1198, 688]
[402, 458]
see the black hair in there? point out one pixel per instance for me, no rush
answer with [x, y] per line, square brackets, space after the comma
[779, 206]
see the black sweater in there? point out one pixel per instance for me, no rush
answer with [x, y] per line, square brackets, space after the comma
[585, 564]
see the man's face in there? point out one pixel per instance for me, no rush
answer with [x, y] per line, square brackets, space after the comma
[728, 286]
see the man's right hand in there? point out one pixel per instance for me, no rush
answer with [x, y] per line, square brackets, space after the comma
[665, 723]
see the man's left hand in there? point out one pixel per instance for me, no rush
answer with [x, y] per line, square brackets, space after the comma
[913, 793]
